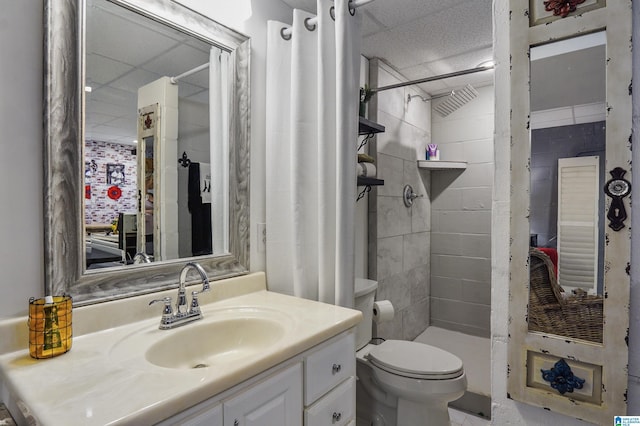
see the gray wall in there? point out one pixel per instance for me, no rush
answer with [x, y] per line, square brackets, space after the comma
[461, 218]
[21, 223]
[399, 237]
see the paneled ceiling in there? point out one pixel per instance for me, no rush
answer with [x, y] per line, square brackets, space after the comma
[425, 38]
[124, 52]
[418, 38]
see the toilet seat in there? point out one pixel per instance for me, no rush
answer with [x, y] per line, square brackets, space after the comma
[415, 360]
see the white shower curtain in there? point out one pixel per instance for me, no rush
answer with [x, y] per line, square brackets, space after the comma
[312, 128]
[219, 143]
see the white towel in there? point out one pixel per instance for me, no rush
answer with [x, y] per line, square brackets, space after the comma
[205, 182]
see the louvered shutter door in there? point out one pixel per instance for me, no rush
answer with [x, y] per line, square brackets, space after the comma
[578, 193]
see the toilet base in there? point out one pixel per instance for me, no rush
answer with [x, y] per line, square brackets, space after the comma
[374, 407]
[421, 413]
[407, 413]
[378, 405]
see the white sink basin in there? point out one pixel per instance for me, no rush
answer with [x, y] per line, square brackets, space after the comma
[221, 337]
[201, 345]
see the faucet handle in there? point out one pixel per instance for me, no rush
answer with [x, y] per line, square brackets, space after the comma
[195, 306]
[167, 305]
[167, 313]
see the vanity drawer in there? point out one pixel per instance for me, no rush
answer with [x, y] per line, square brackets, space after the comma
[328, 366]
[335, 408]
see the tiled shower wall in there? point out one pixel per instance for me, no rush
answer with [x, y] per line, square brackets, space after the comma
[399, 237]
[461, 218]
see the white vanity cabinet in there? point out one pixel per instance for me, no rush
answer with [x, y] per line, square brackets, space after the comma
[273, 401]
[315, 388]
[330, 385]
[276, 401]
[210, 416]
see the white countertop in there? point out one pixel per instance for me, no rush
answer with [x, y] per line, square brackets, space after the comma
[90, 386]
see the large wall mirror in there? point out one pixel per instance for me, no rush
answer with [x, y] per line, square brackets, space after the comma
[146, 146]
[567, 203]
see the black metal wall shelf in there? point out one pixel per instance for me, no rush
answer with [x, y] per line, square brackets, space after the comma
[369, 181]
[368, 127]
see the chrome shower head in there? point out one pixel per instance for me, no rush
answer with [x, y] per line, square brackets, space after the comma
[456, 99]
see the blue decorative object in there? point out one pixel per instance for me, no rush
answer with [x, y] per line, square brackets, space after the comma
[561, 378]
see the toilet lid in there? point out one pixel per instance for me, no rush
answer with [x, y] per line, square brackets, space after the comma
[417, 360]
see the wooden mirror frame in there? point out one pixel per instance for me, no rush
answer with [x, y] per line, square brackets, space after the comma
[528, 351]
[63, 163]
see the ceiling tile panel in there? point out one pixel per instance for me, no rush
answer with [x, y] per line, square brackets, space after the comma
[101, 70]
[417, 71]
[400, 12]
[134, 80]
[113, 96]
[126, 125]
[422, 71]
[464, 28]
[111, 110]
[385, 45]
[370, 25]
[178, 60]
[110, 32]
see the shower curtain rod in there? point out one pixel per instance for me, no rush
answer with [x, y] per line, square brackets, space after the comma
[175, 79]
[310, 23]
[358, 3]
[434, 78]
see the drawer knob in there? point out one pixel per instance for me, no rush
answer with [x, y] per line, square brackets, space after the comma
[236, 422]
[337, 417]
[336, 368]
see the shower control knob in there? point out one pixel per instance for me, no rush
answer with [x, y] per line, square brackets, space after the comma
[408, 195]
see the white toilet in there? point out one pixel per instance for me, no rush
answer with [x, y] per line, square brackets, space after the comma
[401, 383]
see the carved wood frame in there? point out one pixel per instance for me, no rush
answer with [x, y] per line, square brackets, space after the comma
[63, 133]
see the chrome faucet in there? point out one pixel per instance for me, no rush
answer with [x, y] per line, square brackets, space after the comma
[183, 314]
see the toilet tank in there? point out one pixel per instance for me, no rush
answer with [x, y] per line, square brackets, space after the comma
[365, 292]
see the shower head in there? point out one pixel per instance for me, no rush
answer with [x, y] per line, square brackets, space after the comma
[456, 99]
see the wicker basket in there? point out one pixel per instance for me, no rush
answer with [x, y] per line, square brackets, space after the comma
[576, 316]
